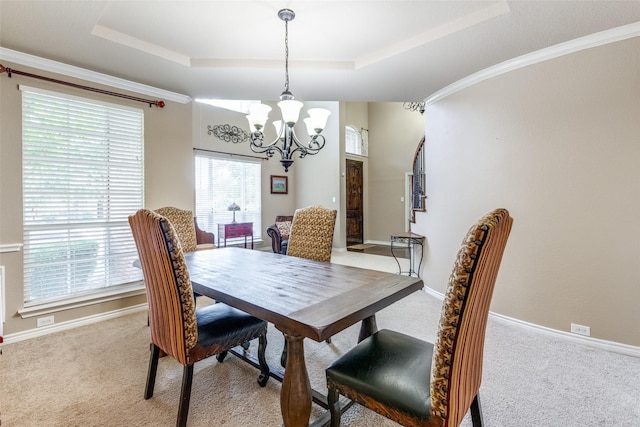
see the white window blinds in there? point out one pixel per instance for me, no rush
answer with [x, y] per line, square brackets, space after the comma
[222, 182]
[82, 178]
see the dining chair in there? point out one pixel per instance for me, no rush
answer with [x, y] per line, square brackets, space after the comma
[191, 237]
[311, 237]
[311, 234]
[178, 328]
[417, 383]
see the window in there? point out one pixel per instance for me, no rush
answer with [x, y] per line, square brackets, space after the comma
[82, 177]
[356, 142]
[222, 182]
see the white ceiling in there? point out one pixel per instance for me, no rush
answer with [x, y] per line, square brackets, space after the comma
[353, 50]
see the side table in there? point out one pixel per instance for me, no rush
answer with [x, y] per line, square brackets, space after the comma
[410, 239]
[235, 229]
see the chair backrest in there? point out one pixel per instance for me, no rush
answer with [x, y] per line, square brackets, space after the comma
[182, 221]
[172, 318]
[312, 233]
[456, 370]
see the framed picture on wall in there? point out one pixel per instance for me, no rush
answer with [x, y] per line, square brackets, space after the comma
[279, 184]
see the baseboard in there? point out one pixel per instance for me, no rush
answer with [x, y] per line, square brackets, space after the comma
[612, 346]
[63, 326]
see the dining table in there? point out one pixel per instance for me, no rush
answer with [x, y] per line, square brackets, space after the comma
[302, 299]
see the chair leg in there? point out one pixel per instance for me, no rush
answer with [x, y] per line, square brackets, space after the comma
[220, 357]
[154, 354]
[283, 356]
[264, 366]
[185, 396]
[476, 412]
[333, 398]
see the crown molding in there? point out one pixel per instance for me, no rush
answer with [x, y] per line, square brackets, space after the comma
[597, 39]
[90, 76]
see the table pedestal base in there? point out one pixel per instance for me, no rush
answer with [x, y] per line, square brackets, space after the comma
[295, 395]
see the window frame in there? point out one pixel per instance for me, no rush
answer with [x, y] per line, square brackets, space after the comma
[99, 216]
[211, 214]
[361, 144]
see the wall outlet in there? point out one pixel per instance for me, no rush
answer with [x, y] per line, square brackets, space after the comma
[581, 329]
[45, 321]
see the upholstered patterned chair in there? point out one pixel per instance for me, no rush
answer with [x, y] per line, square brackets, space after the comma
[177, 328]
[416, 383]
[311, 237]
[279, 233]
[191, 237]
[312, 233]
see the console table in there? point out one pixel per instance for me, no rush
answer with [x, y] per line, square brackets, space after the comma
[235, 229]
[410, 239]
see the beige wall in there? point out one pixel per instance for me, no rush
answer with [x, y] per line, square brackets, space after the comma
[394, 135]
[318, 177]
[558, 144]
[169, 166]
[168, 180]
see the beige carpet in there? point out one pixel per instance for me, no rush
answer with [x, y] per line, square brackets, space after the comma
[94, 376]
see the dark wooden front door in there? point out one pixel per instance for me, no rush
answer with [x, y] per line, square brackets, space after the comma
[354, 202]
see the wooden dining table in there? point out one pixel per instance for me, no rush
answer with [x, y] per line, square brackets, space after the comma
[301, 298]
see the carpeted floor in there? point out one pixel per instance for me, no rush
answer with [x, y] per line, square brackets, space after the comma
[94, 376]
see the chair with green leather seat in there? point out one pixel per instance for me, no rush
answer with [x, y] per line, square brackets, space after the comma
[177, 328]
[414, 382]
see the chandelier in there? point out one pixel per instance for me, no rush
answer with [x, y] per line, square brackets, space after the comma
[287, 142]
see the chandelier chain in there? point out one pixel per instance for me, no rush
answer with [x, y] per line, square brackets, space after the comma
[286, 142]
[286, 55]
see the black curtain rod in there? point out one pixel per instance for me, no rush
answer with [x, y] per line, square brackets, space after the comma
[230, 154]
[9, 71]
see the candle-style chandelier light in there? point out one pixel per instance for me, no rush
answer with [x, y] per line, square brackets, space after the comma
[286, 142]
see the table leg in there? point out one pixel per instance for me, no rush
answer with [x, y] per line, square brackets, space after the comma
[368, 327]
[295, 395]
